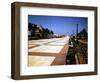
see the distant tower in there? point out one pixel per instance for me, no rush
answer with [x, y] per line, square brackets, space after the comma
[76, 31]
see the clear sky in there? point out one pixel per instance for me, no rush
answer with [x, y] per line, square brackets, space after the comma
[59, 24]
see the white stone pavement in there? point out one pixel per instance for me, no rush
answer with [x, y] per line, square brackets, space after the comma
[44, 52]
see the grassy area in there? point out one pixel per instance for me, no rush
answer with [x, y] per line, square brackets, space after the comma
[81, 52]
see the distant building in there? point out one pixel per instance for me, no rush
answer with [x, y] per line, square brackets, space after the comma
[38, 32]
[29, 33]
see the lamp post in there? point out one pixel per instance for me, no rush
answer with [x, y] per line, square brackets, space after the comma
[76, 32]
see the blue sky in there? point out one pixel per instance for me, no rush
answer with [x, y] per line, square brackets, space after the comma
[59, 24]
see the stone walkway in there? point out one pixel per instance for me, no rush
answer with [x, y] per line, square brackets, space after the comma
[46, 52]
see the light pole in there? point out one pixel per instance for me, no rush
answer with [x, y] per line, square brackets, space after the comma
[76, 32]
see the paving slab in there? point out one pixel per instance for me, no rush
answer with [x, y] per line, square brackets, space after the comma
[40, 60]
[46, 49]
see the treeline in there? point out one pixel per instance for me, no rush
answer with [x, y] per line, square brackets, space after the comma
[83, 34]
[39, 32]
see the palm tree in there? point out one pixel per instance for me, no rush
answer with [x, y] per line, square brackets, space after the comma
[30, 26]
[51, 32]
